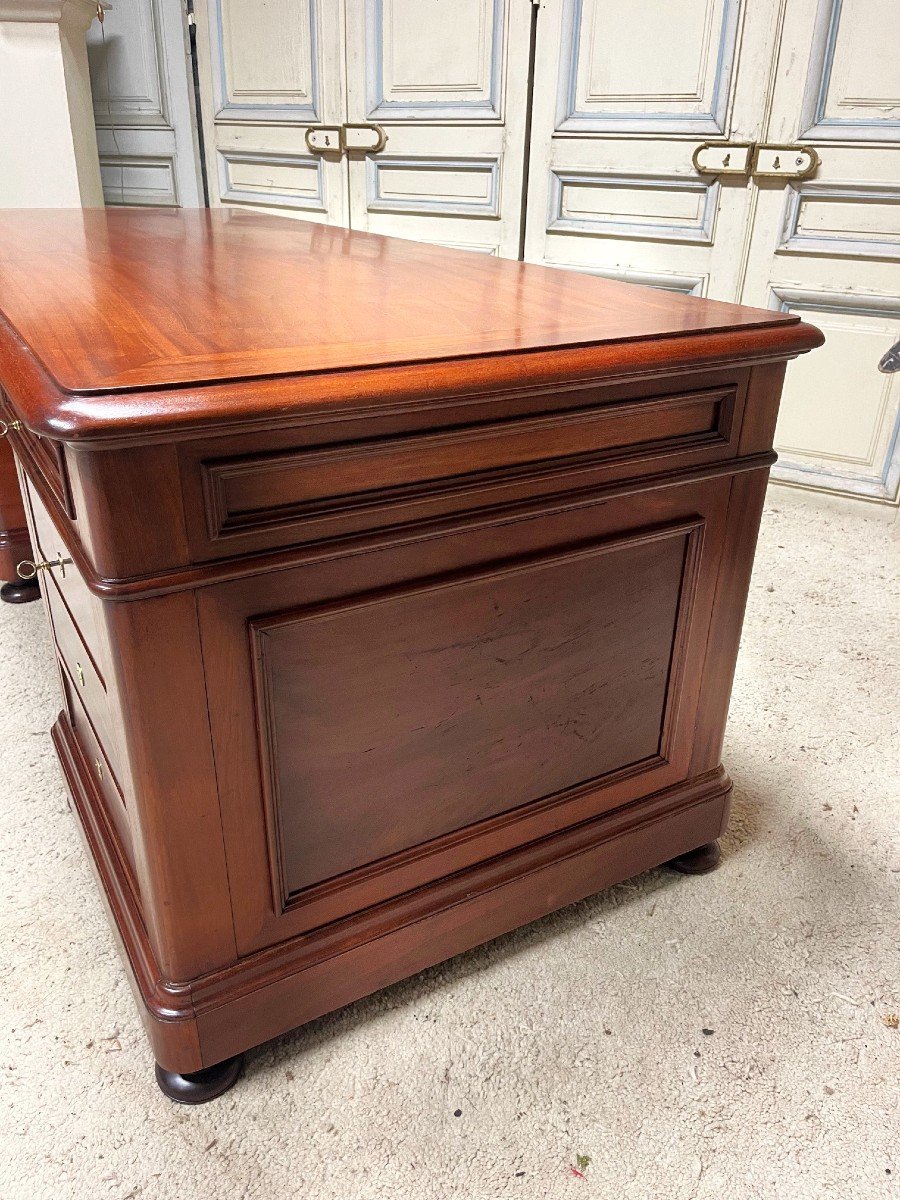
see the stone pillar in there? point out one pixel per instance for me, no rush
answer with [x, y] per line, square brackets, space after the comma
[48, 145]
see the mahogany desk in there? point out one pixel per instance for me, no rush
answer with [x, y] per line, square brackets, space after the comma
[396, 591]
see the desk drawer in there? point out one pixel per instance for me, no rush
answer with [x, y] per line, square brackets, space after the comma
[47, 455]
[99, 765]
[274, 493]
[83, 668]
[50, 546]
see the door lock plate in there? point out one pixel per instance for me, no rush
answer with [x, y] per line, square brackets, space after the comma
[784, 162]
[324, 139]
[723, 158]
[362, 137]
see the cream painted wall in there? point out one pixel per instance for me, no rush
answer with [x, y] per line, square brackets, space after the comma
[48, 145]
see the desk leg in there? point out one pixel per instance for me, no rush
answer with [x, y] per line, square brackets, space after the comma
[200, 1086]
[697, 862]
[20, 591]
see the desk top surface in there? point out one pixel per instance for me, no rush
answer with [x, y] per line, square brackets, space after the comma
[112, 299]
[121, 323]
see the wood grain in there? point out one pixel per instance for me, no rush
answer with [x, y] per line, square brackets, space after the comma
[146, 299]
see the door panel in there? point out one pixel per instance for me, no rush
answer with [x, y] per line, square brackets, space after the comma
[270, 70]
[457, 683]
[622, 98]
[544, 638]
[615, 77]
[140, 81]
[829, 246]
[448, 86]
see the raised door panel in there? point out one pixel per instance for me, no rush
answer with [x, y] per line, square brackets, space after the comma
[829, 245]
[646, 67]
[447, 85]
[839, 420]
[440, 704]
[428, 59]
[853, 87]
[623, 97]
[269, 71]
[140, 68]
[266, 58]
[383, 720]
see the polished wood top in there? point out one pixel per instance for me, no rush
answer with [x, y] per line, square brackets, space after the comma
[126, 300]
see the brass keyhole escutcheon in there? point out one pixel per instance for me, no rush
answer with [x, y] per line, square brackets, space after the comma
[79, 671]
[98, 766]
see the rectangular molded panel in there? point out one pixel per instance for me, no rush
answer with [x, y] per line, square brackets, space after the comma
[263, 491]
[399, 716]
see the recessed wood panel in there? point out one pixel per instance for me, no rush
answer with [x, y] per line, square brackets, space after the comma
[852, 88]
[862, 81]
[428, 59]
[266, 53]
[138, 179]
[124, 55]
[852, 445]
[290, 180]
[261, 491]
[647, 66]
[453, 187]
[397, 717]
[638, 206]
[860, 220]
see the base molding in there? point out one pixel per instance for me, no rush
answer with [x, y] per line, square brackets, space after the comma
[200, 1023]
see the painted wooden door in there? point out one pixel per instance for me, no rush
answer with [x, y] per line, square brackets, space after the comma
[828, 246]
[270, 72]
[447, 83]
[624, 96]
[140, 79]
[641, 169]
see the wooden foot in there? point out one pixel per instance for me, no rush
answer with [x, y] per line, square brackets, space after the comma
[200, 1086]
[697, 862]
[20, 591]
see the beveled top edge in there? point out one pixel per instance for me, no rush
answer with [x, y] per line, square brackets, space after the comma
[123, 301]
[178, 413]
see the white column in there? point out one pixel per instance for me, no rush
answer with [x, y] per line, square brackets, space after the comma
[48, 144]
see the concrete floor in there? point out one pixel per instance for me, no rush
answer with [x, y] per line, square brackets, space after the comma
[719, 1037]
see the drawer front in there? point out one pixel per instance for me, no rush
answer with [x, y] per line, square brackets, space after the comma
[382, 720]
[50, 547]
[268, 497]
[47, 455]
[83, 669]
[99, 767]
[76, 617]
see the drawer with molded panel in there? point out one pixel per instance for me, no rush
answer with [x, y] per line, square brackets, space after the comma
[99, 765]
[54, 560]
[273, 492]
[86, 673]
